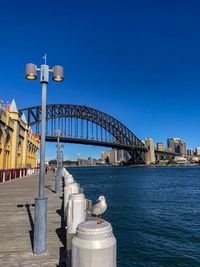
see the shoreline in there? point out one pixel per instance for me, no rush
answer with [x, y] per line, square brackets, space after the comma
[132, 166]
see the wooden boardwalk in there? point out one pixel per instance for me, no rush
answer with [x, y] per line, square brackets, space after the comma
[17, 198]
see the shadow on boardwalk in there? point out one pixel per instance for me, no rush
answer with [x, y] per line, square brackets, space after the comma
[31, 232]
[17, 223]
[59, 231]
[61, 234]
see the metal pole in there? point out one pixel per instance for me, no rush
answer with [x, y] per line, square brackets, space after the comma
[57, 185]
[42, 144]
[40, 223]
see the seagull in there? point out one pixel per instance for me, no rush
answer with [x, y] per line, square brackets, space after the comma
[99, 208]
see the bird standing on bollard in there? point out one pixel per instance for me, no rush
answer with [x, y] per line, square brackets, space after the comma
[99, 209]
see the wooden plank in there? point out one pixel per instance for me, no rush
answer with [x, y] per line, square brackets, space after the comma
[17, 198]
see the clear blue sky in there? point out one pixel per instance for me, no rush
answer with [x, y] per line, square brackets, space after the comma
[139, 61]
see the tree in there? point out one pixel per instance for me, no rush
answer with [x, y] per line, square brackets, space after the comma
[107, 160]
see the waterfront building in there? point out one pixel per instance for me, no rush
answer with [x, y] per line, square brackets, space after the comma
[115, 156]
[86, 162]
[197, 150]
[190, 152]
[181, 160]
[122, 155]
[176, 145]
[18, 144]
[160, 146]
[182, 148]
[171, 145]
[110, 156]
[150, 155]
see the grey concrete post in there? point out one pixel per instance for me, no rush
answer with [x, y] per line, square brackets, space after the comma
[40, 222]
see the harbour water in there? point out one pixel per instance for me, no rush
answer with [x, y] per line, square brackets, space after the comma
[154, 211]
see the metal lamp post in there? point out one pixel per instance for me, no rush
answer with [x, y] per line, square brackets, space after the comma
[59, 162]
[40, 222]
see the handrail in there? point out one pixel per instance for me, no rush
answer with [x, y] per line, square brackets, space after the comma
[10, 174]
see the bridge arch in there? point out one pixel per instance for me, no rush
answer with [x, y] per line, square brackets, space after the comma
[79, 119]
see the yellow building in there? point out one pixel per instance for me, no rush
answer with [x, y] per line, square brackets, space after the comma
[160, 146]
[18, 144]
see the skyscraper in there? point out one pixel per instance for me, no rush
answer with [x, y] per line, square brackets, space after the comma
[176, 145]
[182, 148]
[189, 152]
[198, 151]
[171, 145]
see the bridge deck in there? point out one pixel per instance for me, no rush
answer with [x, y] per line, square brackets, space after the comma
[16, 224]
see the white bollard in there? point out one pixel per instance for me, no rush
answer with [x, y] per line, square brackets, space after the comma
[68, 190]
[94, 245]
[64, 172]
[88, 209]
[68, 179]
[76, 213]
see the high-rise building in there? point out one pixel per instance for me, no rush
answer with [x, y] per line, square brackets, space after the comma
[115, 156]
[171, 145]
[122, 155]
[182, 148]
[176, 145]
[160, 146]
[197, 151]
[151, 151]
[189, 152]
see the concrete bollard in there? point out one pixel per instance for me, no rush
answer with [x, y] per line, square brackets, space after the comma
[88, 209]
[94, 245]
[76, 213]
[68, 179]
[68, 190]
[64, 172]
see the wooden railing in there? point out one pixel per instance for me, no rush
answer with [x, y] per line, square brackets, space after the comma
[10, 174]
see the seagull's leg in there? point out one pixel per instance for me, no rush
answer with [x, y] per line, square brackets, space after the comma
[98, 219]
[101, 220]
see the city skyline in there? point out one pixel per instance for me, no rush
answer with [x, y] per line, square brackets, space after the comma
[138, 62]
[99, 150]
[95, 151]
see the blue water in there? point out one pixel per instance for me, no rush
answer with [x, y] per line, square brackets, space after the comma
[154, 211]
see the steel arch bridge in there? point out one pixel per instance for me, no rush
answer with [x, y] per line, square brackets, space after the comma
[84, 125]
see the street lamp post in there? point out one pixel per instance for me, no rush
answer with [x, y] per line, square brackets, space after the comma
[59, 162]
[40, 222]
